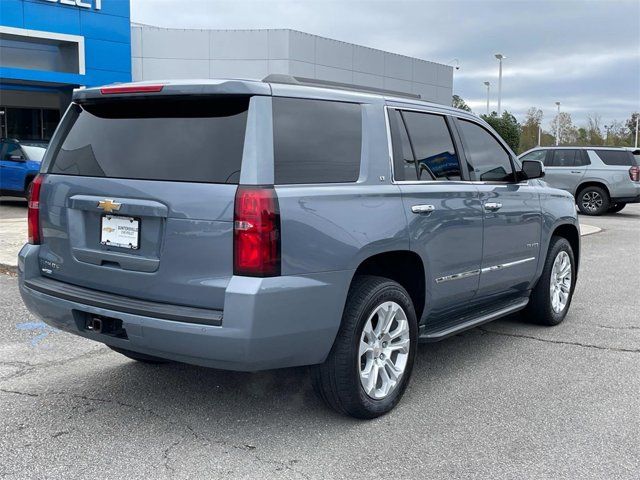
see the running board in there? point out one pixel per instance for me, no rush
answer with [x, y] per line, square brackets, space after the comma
[466, 322]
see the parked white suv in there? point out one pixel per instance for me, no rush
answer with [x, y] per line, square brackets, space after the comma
[602, 179]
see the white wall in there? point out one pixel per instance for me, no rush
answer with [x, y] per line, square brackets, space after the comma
[160, 53]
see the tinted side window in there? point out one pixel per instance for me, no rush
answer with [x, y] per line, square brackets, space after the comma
[316, 141]
[488, 161]
[582, 158]
[432, 146]
[616, 157]
[537, 155]
[10, 149]
[564, 158]
[404, 165]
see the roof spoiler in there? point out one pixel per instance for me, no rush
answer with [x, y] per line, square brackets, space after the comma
[314, 82]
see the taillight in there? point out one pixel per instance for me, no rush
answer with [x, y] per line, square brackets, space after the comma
[33, 211]
[131, 89]
[634, 173]
[256, 232]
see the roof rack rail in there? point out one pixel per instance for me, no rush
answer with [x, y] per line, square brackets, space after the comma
[314, 82]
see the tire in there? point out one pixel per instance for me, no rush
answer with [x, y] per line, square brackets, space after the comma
[338, 380]
[593, 201]
[616, 207]
[27, 187]
[541, 307]
[140, 357]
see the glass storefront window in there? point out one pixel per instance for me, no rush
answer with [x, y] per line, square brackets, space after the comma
[29, 124]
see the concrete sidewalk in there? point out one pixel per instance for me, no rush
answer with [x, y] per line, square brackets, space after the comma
[13, 235]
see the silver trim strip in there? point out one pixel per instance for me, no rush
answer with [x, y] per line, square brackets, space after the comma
[492, 268]
[458, 276]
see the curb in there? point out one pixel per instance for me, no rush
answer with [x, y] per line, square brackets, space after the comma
[588, 230]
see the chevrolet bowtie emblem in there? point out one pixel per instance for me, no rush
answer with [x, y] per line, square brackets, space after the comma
[109, 205]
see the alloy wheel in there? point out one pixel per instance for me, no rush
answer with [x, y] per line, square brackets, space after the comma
[384, 350]
[592, 201]
[560, 284]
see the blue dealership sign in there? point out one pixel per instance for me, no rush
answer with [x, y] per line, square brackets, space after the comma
[93, 38]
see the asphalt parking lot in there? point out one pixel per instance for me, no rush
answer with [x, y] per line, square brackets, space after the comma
[507, 400]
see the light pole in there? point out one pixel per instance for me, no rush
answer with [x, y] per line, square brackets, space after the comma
[558, 125]
[500, 57]
[488, 85]
[637, 119]
[539, 134]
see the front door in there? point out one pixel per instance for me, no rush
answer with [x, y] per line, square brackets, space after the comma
[12, 165]
[512, 215]
[444, 212]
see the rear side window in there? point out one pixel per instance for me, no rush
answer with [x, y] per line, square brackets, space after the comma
[192, 140]
[617, 157]
[404, 164]
[316, 141]
[432, 146]
[488, 160]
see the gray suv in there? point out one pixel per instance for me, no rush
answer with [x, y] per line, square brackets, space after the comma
[602, 179]
[249, 225]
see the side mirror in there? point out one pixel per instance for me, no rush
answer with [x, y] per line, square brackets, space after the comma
[16, 158]
[532, 169]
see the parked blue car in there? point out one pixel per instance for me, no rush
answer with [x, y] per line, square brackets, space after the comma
[19, 164]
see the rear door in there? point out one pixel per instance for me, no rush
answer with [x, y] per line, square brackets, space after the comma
[565, 168]
[512, 215]
[443, 211]
[138, 197]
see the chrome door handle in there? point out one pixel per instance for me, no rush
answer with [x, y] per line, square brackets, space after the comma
[492, 206]
[425, 209]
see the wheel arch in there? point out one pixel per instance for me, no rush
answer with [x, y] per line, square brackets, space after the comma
[592, 183]
[402, 266]
[572, 234]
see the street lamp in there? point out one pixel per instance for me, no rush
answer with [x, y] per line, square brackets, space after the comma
[558, 125]
[488, 85]
[539, 134]
[500, 57]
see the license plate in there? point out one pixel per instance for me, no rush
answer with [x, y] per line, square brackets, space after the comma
[117, 231]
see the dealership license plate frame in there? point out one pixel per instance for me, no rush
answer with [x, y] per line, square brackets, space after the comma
[113, 241]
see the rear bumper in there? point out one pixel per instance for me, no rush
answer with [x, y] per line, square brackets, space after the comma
[267, 322]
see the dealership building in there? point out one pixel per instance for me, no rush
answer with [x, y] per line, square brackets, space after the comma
[50, 47]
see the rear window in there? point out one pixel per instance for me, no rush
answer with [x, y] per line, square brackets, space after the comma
[188, 140]
[617, 157]
[316, 141]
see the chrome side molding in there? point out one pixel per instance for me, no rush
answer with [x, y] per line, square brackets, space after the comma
[473, 273]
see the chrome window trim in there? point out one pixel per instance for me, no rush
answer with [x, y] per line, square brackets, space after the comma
[434, 182]
[478, 271]
[440, 113]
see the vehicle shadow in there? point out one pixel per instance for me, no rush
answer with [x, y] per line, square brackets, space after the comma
[209, 399]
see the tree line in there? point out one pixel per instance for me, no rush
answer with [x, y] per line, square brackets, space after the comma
[523, 136]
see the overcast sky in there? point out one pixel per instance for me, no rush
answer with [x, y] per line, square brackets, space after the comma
[585, 54]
